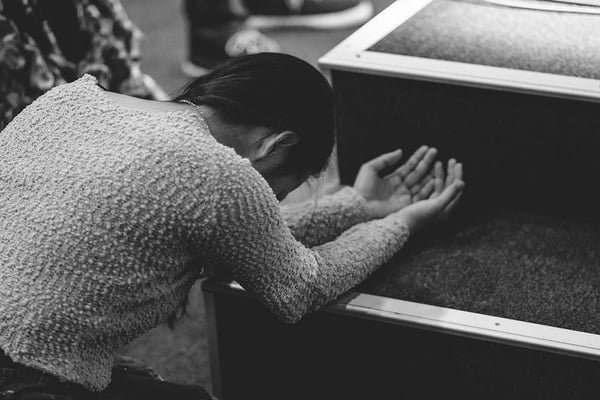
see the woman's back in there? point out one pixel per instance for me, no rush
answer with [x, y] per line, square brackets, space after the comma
[94, 235]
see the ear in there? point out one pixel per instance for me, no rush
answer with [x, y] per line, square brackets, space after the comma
[276, 142]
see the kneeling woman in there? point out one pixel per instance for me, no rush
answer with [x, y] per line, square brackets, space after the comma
[111, 207]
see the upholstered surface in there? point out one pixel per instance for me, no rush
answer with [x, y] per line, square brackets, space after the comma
[478, 32]
[530, 268]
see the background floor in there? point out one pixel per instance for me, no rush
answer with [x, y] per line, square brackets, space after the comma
[181, 354]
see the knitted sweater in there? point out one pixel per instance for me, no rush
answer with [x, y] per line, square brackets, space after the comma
[108, 215]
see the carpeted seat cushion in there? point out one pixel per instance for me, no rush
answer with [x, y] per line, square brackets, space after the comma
[530, 268]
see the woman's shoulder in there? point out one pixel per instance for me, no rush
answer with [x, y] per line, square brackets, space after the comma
[57, 104]
[85, 82]
[65, 91]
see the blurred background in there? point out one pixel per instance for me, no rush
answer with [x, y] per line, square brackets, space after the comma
[165, 40]
[181, 354]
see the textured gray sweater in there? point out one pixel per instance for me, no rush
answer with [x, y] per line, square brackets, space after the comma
[108, 215]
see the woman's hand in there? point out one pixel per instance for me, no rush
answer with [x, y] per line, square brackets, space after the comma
[440, 203]
[409, 183]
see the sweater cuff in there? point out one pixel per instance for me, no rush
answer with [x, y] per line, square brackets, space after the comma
[400, 228]
[356, 204]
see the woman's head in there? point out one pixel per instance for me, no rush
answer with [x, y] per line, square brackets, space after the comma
[282, 100]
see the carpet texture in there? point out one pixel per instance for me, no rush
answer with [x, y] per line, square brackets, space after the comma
[512, 265]
[482, 33]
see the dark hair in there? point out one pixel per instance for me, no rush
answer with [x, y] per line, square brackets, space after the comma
[278, 91]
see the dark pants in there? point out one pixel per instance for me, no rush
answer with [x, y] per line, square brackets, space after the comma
[128, 382]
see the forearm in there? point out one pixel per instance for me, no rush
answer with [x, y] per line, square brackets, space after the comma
[320, 221]
[292, 280]
[349, 260]
[249, 240]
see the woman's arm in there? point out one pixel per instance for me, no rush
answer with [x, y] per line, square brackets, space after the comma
[251, 242]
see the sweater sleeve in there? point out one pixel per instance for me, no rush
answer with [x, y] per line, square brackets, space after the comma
[251, 243]
[318, 221]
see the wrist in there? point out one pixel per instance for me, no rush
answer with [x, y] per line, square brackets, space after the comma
[365, 204]
[375, 210]
[403, 222]
[408, 219]
[380, 209]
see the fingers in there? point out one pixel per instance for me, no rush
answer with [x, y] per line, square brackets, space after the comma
[422, 168]
[412, 162]
[457, 176]
[416, 188]
[448, 209]
[458, 171]
[449, 195]
[450, 172]
[455, 172]
[425, 191]
[444, 180]
[438, 176]
[385, 160]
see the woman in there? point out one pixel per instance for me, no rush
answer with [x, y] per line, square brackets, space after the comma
[112, 206]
